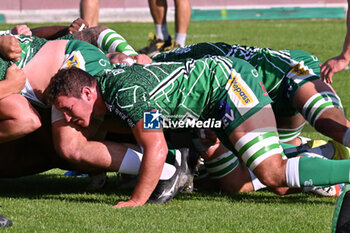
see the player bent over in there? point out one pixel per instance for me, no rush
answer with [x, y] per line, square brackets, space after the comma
[97, 155]
[292, 80]
[227, 89]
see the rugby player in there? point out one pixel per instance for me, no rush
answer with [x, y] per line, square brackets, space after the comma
[292, 80]
[91, 155]
[227, 89]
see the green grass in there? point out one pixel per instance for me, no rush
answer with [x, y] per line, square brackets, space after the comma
[49, 202]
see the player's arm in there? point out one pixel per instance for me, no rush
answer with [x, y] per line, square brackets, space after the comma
[340, 62]
[155, 151]
[21, 30]
[117, 58]
[53, 32]
[10, 48]
[13, 83]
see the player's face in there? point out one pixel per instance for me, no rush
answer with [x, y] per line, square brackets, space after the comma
[75, 110]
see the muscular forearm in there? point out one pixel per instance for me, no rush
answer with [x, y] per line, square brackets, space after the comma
[5, 89]
[50, 32]
[345, 54]
[150, 171]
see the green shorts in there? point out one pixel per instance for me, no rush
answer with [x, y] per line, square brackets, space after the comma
[305, 69]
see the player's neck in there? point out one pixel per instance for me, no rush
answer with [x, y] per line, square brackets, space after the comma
[99, 106]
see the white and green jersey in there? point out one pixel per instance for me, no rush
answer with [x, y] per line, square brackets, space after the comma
[226, 89]
[77, 53]
[86, 57]
[30, 45]
[282, 71]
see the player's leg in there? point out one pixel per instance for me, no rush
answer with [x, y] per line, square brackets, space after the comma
[17, 118]
[289, 128]
[182, 20]
[162, 38]
[224, 167]
[314, 99]
[31, 154]
[105, 39]
[89, 11]
[257, 143]
[73, 144]
[221, 165]
[321, 106]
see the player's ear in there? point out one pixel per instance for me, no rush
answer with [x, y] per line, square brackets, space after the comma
[87, 93]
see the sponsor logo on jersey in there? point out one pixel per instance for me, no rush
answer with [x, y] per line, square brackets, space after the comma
[239, 90]
[74, 59]
[240, 93]
[225, 113]
[300, 70]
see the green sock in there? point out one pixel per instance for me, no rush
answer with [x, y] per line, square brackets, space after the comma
[317, 171]
[110, 41]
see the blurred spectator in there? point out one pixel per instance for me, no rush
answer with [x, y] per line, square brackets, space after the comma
[89, 11]
[162, 40]
[340, 62]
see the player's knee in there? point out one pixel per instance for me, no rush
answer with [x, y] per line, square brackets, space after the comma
[271, 180]
[272, 171]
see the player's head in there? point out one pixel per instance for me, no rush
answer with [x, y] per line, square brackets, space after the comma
[73, 92]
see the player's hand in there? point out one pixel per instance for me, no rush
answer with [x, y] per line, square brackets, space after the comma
[10, 48]
[208, 137]
[118, 58]
[142, 59]
[78, 25]
[16, 77]
[129, 203]
[332, 66]
[21, 30]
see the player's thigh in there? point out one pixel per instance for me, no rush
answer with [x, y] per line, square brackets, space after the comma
[310, 90]
[290, 122]
[257, 143]
[290, 127]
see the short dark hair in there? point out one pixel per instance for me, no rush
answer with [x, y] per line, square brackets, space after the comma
[68, 82]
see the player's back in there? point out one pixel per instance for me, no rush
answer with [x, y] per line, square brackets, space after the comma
[187, 88]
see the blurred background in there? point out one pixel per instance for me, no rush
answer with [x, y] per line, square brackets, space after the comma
[39, 11]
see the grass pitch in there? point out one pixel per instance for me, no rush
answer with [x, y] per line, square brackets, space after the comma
[49, 202]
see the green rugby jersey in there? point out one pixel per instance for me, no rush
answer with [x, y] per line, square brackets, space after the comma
[227, 89]
[273, 65]
[86, 57]
[30, 45]
[78, 53]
